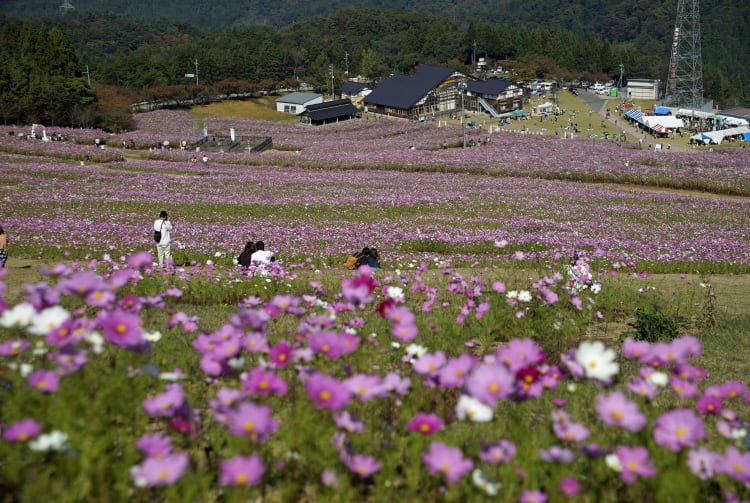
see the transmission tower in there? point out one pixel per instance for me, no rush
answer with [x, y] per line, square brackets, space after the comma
[65, 7]
[685, 80]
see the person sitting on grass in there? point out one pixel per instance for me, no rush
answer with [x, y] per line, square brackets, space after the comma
[246, 257]
[261, 255]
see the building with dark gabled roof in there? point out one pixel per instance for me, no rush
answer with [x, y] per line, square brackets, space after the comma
[495, 95]
[430, 90]
[351, 89]
[331, 111]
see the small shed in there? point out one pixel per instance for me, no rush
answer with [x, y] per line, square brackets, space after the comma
[642, 89]
[545, 108]
[297, 102]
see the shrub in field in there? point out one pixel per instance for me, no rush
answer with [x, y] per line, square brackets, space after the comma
[417, 385]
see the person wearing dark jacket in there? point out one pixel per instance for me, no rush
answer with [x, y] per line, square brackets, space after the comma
[245, 258]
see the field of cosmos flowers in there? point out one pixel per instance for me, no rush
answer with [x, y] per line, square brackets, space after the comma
[467, 369]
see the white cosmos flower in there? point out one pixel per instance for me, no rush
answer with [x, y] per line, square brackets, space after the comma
[154, 336]
[49, 319]
[55, 441]
[501, 243]
[395, 293]
[415, 351]
[19, 315]
[613, 462]
[96, 340]
[524, 296]
[597, 360]
[24, 368]
[472, 409]
[483, 482]
[658, 379]
[512, 294]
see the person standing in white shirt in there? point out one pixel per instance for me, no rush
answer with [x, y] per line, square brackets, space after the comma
[163, 249]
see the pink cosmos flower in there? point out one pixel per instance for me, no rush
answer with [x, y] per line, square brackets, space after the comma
[634, 462]
[46, 381]
[22, 431]
[405, 332]
[490, 383]
[453, 374]
[449, 461]
[328, 343]
[500, 452]
[570, 432]
[252, 421]
[365, 387]
[429, 363]
[348, 422]
[520, 353]
[678, 429]
[155, 445]
[140, 260]
[734, 464]
[121, 328]
[426, 424]
[161, 471]
[616, 410]
[241, 471]
[569, 487]
[556, 454]
[702, 462]
[398, 315]
[732, 389]
[532, 496]
[635, 350]
[13, 347]
[327, 392]
[682, 387]
[166, 404]
[362, 465]
[259, 381]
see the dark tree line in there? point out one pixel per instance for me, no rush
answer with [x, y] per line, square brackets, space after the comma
[40, 78]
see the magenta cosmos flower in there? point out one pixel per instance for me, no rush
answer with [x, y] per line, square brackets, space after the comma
[259, 381]
[678, 429]
[569, 487]
[634, 462]
[616, 410]
[155, 445]
[46, 381]
[708, 404]
[280, 354]
[532, 496]
[162, 471]
[327, 392]
[14, 347]
[365, 386]
[22, 431]
[405, 332]
[328, 343]
[426, 424]
[455, 371]
[121, 328]
[449, 461]
[253, 421]
[734, 464]
[241, 471]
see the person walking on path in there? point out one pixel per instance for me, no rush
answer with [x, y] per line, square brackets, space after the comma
[163, 227]
[3, 247]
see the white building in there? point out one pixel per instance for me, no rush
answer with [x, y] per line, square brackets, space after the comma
[642, 89]
[297, 102]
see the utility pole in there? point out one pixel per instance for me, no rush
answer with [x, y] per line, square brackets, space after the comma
[330, 69]
[196, 72]
[462, 89]
[346, 60]
[474, 58]
[88, 76]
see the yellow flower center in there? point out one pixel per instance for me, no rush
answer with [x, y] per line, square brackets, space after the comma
[325, 395]
[120, 328]
[240, 479]
[680, 432]
[249, 426]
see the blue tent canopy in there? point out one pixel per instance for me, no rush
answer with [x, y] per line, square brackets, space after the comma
[662, 111]
[517, 111]
[746, 136]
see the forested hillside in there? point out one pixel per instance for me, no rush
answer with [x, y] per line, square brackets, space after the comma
[151, 56]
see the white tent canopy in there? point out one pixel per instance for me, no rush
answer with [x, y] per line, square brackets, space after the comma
[719, 136]
[666, 121]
